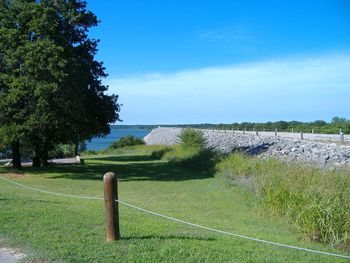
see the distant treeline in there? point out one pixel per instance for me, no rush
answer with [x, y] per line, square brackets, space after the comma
[318, 126]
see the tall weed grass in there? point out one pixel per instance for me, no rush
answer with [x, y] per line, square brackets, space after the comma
[192, 158]
[317, 201]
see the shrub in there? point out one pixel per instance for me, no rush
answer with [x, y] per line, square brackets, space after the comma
[191, 138]
[62, 151]
[65, 150]
[125, 141]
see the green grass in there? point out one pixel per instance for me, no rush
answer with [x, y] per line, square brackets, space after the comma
[317, 201]
[195, 159]
[60, 229]
[135, 150]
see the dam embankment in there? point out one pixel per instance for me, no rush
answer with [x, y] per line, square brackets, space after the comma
[320, 150]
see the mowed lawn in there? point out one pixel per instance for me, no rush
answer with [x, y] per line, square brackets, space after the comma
[61, 229]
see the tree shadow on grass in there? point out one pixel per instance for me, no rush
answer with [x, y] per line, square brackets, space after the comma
[125, 158]
[28, 200]
[127, 168]
[173, 237]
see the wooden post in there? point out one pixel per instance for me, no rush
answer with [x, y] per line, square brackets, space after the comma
[244, 130]
[312, 131]
[276, 132]
[342, 141]
[292, 130]
[111, 206]
[301, 135]
[257, 132]
[340, 131]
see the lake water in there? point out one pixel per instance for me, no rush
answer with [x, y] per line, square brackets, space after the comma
[100, 143]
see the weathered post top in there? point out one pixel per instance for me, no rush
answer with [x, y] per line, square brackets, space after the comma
[108, 176]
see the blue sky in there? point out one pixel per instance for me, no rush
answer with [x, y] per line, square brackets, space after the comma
[226, 61]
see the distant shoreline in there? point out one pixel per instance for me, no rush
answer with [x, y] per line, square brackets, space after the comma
[336, 126]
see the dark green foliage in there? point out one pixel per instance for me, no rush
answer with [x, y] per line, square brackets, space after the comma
[191, 138]
[50, 84]
[125, 141]
[159, 153]
[62, 151]
[319, 126]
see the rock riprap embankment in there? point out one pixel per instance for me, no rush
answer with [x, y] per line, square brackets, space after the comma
[323, 154]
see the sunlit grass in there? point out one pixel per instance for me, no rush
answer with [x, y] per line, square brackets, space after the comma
[59, 229]
[317, 201]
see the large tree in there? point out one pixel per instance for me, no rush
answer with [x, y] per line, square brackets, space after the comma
[15, 88]
[58, 92]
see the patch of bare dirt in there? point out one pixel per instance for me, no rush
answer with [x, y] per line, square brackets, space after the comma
[13, 175]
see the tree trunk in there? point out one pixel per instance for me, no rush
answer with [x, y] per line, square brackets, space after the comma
[36, 158]
[45, 157]
[76, 149]
[16, 155]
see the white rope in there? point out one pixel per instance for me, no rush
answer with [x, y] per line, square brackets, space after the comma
[49, 192]
[232, 234]
[182, 221]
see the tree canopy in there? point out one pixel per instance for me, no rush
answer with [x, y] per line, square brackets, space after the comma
[51, 87]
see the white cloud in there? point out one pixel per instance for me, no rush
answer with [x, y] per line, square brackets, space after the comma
[234, 32]
[291, 88]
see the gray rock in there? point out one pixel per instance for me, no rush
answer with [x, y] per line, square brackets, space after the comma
[322, 154]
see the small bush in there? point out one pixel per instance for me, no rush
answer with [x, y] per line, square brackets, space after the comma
[191, 138]
[126, 141]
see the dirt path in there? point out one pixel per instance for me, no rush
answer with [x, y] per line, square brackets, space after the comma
[8, 255]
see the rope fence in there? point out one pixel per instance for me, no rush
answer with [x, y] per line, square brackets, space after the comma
[178, 220]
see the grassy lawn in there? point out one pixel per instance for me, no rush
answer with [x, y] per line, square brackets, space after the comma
[59, 229]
